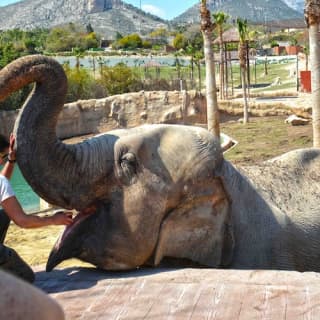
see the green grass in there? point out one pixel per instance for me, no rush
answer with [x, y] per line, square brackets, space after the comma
[257, 75]
[265, 137]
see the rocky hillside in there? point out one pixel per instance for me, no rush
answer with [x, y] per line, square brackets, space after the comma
[105, 16]
[252, 10]
[297, 5]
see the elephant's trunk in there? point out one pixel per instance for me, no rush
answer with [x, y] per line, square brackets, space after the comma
[59, 173]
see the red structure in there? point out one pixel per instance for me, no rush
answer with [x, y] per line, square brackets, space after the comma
[305, 81]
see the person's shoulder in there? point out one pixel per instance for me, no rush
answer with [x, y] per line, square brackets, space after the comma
[3, 178]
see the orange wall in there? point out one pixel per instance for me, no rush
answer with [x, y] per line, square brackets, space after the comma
[305, 81]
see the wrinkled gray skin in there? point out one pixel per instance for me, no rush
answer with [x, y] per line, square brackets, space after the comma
[163, 191]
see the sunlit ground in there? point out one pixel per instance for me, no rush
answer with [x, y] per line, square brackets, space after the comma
[34, 245]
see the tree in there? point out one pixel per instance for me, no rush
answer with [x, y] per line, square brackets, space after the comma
[312, 17]
[243, 34]
[160, 35]
[89, 28]
[180, 41]
[71, 36]
[130, 42]
[211, 89]
[91, 40]
[194, 49]
[220, 18]
[78, 53]
[191, 51]
[8, 54]
[197, 61]
[60, 39]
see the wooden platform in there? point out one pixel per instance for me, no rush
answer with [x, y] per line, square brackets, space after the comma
[184, 294]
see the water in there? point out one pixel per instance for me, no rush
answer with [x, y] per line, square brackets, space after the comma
[139, 61]
[130, 61]
[29, 201]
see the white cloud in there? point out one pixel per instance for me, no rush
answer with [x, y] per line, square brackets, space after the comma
[154, 10]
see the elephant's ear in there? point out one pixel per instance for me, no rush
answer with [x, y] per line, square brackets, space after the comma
[200, 229]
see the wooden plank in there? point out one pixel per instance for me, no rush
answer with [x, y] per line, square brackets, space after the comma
[185, 294]
[139, 305]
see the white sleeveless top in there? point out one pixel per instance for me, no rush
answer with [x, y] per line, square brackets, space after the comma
[6, 190]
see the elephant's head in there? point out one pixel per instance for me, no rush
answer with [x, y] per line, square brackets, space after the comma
[154, 187]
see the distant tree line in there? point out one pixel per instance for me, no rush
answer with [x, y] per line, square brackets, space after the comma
[83, 83]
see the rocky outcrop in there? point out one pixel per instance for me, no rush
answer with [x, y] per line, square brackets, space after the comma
[130, 110]
[127, 110]
[252, 10]
[99, 5]
[296, 121]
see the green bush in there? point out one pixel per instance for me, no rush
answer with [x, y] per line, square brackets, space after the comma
[118, 79]
[130, 42]
[82, 85]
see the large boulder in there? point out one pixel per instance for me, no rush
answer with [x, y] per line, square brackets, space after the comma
[296, 121]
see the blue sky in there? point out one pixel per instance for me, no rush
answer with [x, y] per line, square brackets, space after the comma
[166, 9]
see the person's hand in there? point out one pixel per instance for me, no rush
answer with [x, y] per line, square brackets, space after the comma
[89, 210]
[12, 152]
[62, 218]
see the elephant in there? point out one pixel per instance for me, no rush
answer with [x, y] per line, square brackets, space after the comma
[21, 300]
[162, 194]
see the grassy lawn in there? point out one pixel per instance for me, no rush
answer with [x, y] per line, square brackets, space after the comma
[263, 138]
[257, 75]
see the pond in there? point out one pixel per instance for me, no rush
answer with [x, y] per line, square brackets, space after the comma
[130, 61]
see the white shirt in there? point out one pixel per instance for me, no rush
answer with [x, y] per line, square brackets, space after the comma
[6, 190]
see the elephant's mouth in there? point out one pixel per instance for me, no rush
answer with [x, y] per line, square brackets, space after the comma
[58, 253]
[79, 217]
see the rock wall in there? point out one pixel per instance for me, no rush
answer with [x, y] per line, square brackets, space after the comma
[120, 111]
[133, 109]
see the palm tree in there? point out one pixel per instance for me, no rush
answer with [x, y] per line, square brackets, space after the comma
[243, 33]
[306, 52]
[190, 50]
[211, 89]
[78, 53]
[312, 16]
[220, 18]
[197, 61]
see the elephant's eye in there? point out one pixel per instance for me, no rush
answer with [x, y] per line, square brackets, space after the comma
[129, 167]
[128, 158]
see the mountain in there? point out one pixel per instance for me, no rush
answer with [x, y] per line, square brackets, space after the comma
[252, 10]
[107, 17]
[297, 5]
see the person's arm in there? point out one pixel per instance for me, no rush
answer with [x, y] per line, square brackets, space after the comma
[7, 170]
[15, 212]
